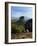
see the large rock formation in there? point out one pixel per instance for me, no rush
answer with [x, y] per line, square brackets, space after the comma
[28, 25]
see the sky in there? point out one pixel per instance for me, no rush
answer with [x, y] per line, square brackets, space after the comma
[21, 11]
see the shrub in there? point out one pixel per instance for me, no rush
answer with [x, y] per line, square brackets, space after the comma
[17, 28]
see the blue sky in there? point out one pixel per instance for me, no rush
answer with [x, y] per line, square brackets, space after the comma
[21, 11]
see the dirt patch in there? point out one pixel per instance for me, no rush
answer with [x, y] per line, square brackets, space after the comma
[21, 35]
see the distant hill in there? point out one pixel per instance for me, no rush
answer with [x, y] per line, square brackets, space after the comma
[29, 21]
[14, 19]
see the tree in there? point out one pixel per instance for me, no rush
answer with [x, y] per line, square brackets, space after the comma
[21, 20]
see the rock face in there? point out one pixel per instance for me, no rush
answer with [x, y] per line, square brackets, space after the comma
[28, 26]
